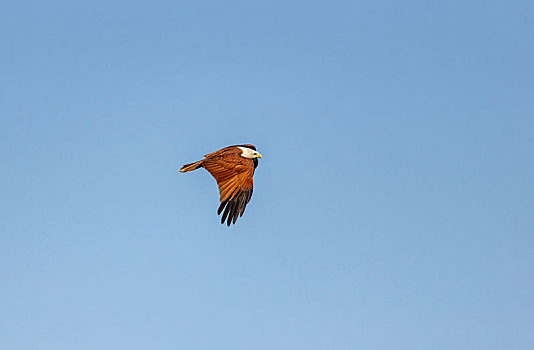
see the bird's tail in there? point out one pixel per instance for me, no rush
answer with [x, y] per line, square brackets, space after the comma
[191, 166]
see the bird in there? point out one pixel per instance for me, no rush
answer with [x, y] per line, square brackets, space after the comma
[233, 168]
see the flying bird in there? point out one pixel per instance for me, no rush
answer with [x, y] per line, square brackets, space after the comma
[233, 168]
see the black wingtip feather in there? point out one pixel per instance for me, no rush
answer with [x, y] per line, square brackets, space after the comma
[226, 211]
[232, 211]
[221, 207]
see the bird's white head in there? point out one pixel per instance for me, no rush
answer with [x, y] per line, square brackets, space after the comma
[249, 153]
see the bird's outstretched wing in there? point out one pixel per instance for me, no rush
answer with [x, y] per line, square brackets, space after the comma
[234, 178]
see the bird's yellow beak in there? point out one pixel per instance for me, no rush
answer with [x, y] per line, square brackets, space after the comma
[259, 156]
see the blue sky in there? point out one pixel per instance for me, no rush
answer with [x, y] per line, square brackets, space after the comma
[392, 208]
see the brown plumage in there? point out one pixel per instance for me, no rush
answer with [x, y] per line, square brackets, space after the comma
[233, 168]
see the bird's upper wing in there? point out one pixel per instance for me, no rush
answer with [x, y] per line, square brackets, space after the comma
[234, 178]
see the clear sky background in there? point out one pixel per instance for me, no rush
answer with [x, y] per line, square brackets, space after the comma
[393, 207]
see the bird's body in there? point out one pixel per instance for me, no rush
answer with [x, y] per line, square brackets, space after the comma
[233, 168]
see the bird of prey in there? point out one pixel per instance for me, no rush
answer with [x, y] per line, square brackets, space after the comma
[233, 168]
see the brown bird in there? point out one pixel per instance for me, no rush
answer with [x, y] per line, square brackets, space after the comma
[233, 168]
